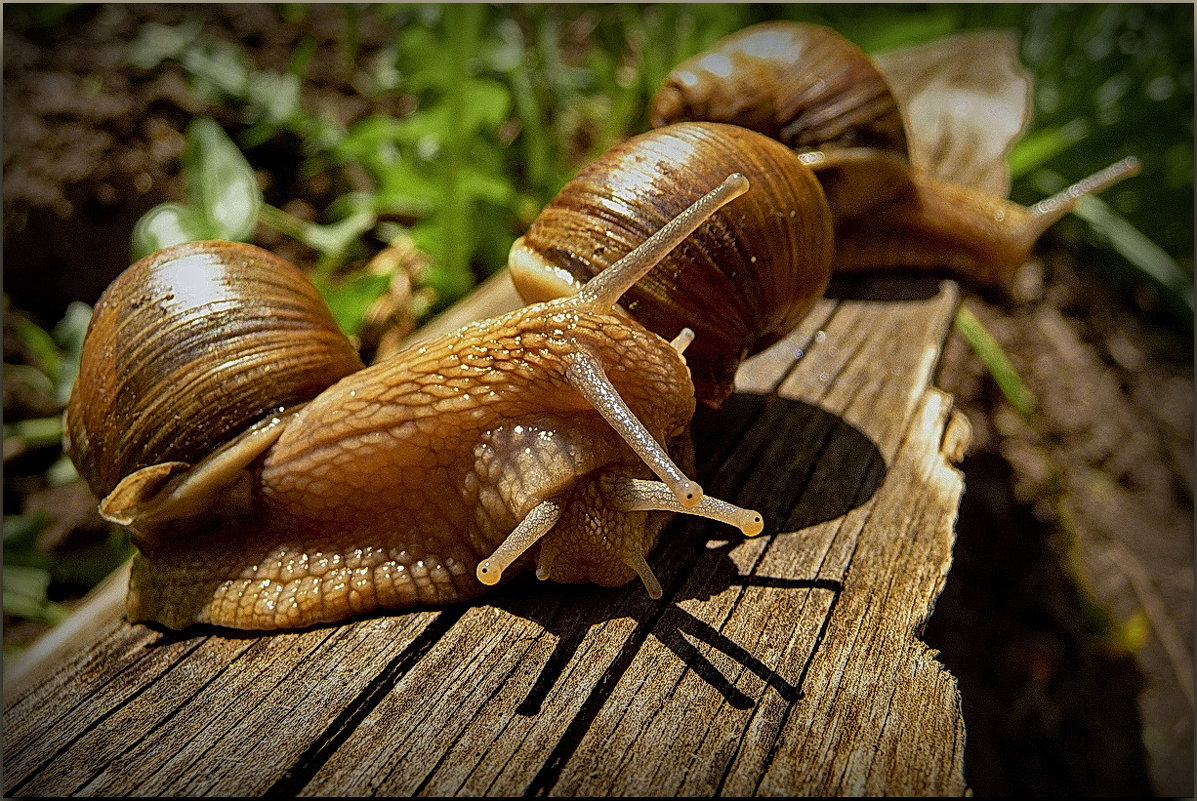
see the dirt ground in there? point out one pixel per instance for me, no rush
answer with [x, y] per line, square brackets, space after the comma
[1068, 611]
[1068, 616]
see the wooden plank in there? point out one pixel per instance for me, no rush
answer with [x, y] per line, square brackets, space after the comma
[784, 664]
[818, 683]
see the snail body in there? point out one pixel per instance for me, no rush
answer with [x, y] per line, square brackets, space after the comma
[549, 435]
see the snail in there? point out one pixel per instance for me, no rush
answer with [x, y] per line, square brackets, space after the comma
[747, 278]
[796, 106]
[529, 440]
[532, 437]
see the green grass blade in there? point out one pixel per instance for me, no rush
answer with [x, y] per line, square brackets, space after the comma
[997, 362]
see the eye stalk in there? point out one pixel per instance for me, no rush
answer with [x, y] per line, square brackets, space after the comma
[606, 288]
[675, 492]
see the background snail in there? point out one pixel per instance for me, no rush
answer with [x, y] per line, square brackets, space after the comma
[509, 422]
[389, 487]
[826, 127]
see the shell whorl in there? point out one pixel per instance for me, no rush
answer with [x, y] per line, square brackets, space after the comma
[804, 85]
[189, 347]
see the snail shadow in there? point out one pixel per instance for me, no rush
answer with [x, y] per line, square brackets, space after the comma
[806, 453]
[898, 285]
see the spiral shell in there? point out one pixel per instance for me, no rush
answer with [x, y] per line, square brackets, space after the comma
[802, 84]
[741, 282]
[188, 348]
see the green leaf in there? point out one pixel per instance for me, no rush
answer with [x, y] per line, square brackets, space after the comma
[1148, 258]
[20, 534]
[36, 432]
[333, 241]
[1036, 149]
[69, 334]
[45, 350]
[224, 194]
[220, 69]
[492, 187]
[25, 375]
[350, 300]
[25, 595]
[272, 98]
[62, 472]
[156, 43]
[377, 143]
[1145, 255]
[165, 225]
[487, 105]
[220, 182]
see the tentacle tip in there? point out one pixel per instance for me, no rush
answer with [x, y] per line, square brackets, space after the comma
[753, 523]
[637, 562]
[736, 181]
[682, 340]
[488, 573]
[688, 493]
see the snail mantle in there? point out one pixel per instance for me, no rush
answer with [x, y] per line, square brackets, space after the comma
[785, 664]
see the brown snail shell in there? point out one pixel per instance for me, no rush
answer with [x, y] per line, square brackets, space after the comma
[910, 148]
[804, 85]
[811, 89]
[189, 347]
[779, 233]
[950, 109]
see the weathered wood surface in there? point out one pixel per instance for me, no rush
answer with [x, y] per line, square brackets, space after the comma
[781, 665]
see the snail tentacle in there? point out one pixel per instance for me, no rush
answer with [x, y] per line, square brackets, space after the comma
[534, 526]
[1048, 211]
[586, 374]
[638, 495]
[682, 340]
[606, 288]
[636, 561]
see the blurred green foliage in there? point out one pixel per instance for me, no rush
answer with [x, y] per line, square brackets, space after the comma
[222, 192]
[30, 570]
[997, 363]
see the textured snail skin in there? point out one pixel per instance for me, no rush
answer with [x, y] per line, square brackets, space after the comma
[387, 489]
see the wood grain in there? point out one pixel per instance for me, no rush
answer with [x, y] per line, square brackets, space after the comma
[787, 664]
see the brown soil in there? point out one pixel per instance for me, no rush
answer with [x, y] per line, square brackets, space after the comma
[1068, 613]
